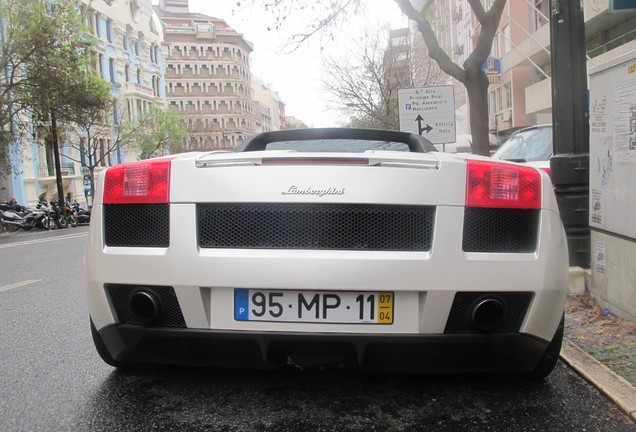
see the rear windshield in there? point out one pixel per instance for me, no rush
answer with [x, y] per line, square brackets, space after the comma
[527, 146]
[337, 145]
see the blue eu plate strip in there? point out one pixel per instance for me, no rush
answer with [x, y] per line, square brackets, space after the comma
[241, 304]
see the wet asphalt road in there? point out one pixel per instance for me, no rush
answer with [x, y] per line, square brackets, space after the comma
[51, 379]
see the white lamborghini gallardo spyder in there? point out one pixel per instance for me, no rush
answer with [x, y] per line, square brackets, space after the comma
[328, 247]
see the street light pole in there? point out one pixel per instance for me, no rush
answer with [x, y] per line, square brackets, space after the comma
[58, 166]
[570, 119]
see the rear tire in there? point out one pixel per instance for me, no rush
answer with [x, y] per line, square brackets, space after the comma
[47, 223]
[61, 222]
[11, 227]
[551, 355]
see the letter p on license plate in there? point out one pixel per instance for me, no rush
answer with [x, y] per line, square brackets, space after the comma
[343, 307]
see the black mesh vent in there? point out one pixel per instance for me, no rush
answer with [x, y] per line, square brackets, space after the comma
[171, 315]
[137, 225]
[460, 317]
[316, 226]
[500, 230]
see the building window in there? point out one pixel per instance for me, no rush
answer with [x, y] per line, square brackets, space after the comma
[499, 99]
[100, 60]
[506, 39]
[109, 30]
[98, 27]
[112, 70]
[507, 89]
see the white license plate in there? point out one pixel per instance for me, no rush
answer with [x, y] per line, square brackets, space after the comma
[343, 307]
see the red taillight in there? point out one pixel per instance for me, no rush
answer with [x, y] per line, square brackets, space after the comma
[145, 182]
[499, 185]
[546, 170]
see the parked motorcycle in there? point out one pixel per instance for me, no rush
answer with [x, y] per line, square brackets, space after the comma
[47, 221]
[11, 221]
[83, 215]
[71, 214]
[58, 217]
[16, 217]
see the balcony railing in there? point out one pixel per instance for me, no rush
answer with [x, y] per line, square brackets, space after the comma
[67, 169]
[614, 43]
[133, 87]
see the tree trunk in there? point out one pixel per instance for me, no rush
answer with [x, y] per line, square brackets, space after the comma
[91, 170]
[477, 88]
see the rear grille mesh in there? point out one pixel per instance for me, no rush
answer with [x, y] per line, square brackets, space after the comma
[460, 317]
[315, 226]
[137, 225]
[120, 299]
[500, 230]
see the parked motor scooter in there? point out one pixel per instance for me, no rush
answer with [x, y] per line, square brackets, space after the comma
[15, 217]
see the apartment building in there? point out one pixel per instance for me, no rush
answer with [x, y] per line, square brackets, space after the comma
[208, 77]
[607, 36]
[129, 55]
[271, 105]
[398, 62]
[521, 94]
[506, 94]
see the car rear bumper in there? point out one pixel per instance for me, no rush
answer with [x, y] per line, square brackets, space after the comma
[438, 353]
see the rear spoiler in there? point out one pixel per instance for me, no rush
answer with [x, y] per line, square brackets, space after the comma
[416, 143]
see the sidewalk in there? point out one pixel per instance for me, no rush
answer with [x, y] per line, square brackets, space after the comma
[602, 348]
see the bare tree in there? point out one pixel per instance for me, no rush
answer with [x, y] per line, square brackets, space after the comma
[327, 16]
[470, 73]
[91, 136]
[364, 84]
[95, 138]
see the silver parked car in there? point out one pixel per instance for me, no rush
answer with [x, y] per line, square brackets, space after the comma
[530, 146]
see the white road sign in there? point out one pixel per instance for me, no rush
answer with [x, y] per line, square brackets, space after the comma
[430, 112]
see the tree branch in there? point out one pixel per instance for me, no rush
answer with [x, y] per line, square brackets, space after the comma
[489, 27]
[478, 10]
[434, 50]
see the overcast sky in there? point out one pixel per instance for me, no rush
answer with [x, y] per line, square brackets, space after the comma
[295, 76]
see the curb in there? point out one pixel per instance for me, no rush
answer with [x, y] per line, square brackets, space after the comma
[615, 387]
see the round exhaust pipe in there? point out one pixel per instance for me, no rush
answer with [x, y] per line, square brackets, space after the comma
[146, 306]
[488, 314]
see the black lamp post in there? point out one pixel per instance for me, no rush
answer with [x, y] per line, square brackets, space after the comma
[570, 118]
